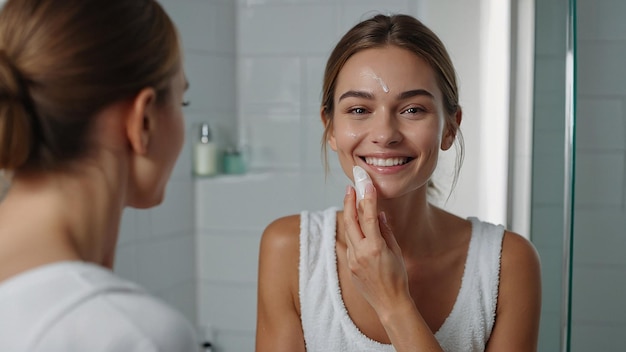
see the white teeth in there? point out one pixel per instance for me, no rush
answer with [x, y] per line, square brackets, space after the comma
[386, 162]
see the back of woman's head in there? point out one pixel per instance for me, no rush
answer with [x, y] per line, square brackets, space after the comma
[63, 61]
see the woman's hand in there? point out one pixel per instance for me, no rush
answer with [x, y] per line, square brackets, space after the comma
[374, 256]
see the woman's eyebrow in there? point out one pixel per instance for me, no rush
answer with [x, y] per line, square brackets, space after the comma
[415, 92]
[357, 94]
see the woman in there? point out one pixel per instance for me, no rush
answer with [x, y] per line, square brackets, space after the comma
[90, 122]
[393, 272]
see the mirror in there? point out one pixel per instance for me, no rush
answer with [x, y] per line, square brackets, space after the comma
[255, 69]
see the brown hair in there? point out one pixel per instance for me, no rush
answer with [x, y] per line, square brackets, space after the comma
[405, 32]
[62, 61]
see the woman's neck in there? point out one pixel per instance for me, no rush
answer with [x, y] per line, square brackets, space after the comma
[63, 216]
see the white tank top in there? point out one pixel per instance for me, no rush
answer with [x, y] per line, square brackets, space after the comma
[325, 320]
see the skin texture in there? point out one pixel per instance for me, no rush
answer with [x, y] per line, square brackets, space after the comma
[400, 259]
[74, 214]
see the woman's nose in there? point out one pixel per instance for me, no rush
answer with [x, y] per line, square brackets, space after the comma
[385, 131]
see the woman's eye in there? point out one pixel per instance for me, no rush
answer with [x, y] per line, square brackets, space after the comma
[186, 103]
[414, 110]
[357, 111]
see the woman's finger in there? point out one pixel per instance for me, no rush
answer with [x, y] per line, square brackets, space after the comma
[350, 218]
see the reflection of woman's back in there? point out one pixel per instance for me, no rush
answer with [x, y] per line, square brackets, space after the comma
[392, 271]
[90, 122]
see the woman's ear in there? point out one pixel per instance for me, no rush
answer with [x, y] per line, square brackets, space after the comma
[139, 121]
[451, 129]
[328, 130]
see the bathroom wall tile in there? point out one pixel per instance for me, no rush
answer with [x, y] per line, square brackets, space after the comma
[125, 265]
[225, 256]
[212, 81]
[550, 31]
[274, 141]
[164, 263]
[235, 340]
[318, 192]
[549, 115]
[311, 36]
[597, 337]
[600, 124]
[551, 278]
[550, 77]
[182, 297]
[143, 223]
[548, 174]
[270, 85]
[183, 167]
[602, 20]
[599, 236]
[312, 130]
[176, 214]
[550, 325]
[226, 306]
[352, 12]
[599, 179]
[606, 78]
[547, 220]
[253, 201]
[128, 227]
[313, 79]
[596, 293]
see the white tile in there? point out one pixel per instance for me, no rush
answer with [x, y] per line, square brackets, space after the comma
[551, 278]
[274, 141]
[182, 169]
[143, 223]
[307, 28]
[270, 85]
[248, 202]
[599, 236]
[547, 184]
[595, 337]
[600, 68]
[320, 192]
[208, 26]
[125, 265]
[182, 297]
[235, 341]
[547, 225]
[598, 294]
[599, 179]
[212, 82]
[600, 124]
[228, 257]
[550, 32]
[176, 214]
[313, 80]
[227, 306]
[549, 113]
[353, 12]
[165, 263]
[550, 76]
[550, 332]
[601, 20]
[128, 227]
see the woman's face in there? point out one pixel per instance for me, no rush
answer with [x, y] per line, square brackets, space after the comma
[388, 119]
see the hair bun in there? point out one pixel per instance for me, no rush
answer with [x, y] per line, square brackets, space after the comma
[15, 125]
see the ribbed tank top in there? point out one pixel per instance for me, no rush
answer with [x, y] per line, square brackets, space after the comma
[325, 320]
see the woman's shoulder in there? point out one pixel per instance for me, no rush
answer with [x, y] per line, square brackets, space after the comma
[282, 232]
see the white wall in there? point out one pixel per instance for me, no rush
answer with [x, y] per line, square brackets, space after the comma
[599, 263]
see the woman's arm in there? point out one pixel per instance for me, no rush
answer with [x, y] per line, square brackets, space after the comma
[278, 319]
[378, 271]
[519, 297]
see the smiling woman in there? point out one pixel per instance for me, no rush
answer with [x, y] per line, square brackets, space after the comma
[393, 272]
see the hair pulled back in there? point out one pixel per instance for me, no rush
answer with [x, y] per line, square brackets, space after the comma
[62, 61]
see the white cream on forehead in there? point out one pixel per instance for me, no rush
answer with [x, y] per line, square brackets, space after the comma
[371, 74]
